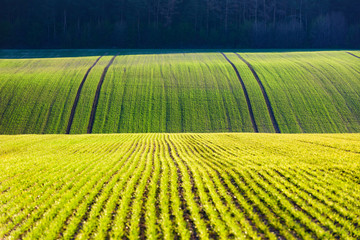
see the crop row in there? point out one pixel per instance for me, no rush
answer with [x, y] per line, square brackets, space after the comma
[289, 92]
[36, 95]
[184, 186]
[315, 92]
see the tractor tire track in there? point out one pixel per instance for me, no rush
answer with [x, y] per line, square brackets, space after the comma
[72, 114]
[267, 101]
[245, 93]
[97, 95]
[353, 55]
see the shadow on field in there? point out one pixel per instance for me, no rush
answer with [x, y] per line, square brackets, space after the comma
[65, 53]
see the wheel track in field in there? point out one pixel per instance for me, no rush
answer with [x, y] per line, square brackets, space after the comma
[353, 54]
[76, 101]
[97, 95]
[251, 113]
[267, 100]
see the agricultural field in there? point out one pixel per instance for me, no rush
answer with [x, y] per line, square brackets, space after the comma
[37, 94]
[107, 144]
[180, 186]
[108, 91]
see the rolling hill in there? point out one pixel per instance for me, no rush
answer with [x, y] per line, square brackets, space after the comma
[287, 92]
[160, 178]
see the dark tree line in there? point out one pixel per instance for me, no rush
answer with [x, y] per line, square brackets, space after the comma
[179, 23]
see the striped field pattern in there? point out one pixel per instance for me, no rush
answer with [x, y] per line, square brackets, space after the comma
[180, 186]
[268, 92]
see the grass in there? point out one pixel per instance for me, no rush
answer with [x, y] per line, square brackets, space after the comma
[225, 185]
[171, 93]
[309, 92]
[36, 95]
[315, 92]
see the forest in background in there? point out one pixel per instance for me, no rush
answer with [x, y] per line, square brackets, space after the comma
[179, 24]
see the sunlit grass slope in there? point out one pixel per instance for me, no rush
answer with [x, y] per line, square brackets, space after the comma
[83, 109]
[311, 92]
[184, 186]
[171, 93]
[182, 92]
[36, 95]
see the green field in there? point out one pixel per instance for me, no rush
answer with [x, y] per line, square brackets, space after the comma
[308, 92]
[176, 165]
[223, 186]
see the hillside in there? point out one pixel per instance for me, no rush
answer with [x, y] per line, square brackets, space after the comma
[180, 186]
[287, 92]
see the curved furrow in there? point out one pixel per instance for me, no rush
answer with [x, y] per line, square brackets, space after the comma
[136, 224]
[104, 212]
[186, 190]
[151, 209]
[318, 213]
[334, 184]
[222, 181]
[266, 201]
[91, 208]
[222, 197]
[73, 216]
[171, 209]
[251, 113]
[119, 228]
[267, 100]
[97, 95]
[62, 209]
[322, 196]
[73, 109]
[353, 54]
[327, 189]
[205, 199]
[298, 220]
[32, 181]
[306, 212]
[48, 197]
[101, 207]
[228, 155]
